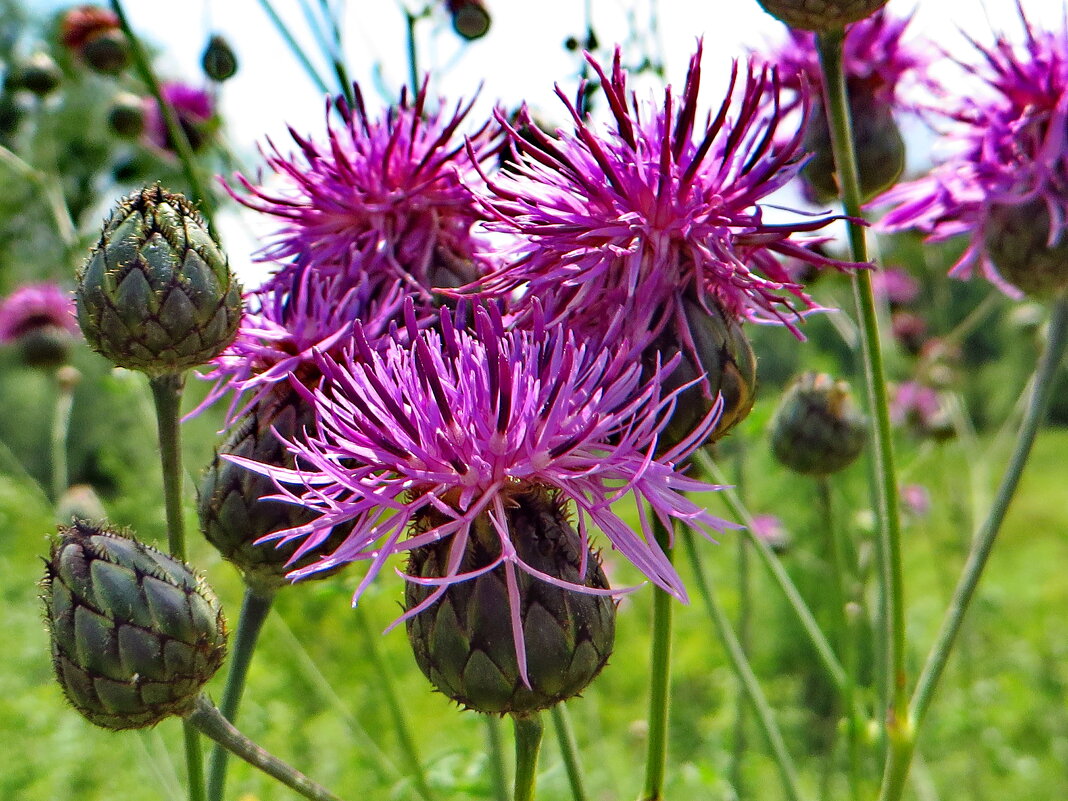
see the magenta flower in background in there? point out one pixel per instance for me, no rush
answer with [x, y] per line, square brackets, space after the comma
[916, 403]
[455, 423]
[895, 285]
[382, 201]
[195, 109]
[1004, 185]
[32, 307]
[916, 498]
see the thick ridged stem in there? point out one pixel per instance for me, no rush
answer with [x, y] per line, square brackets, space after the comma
[394, 704]
[58, 437]
[569, 750]
[498, 773]
[528, 732]
[170, 118]
[982, 545]
[167, 394]
[659, 681]
[744, 672]
[886, 503]
[209, 720]
[255, 607]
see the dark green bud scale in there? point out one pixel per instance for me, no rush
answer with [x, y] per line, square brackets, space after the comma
[1017, 239]
[156, 293]
[463, 643]
[820, 15]
[135, 633]
[818, 429]
[39, 74]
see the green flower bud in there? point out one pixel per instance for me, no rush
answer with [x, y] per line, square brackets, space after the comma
[470, 19]
[156, 293]
[219, 60]
[80, 502]
[135, 633]
[233, 512]
[126, 115]
[820, 15]
[463, 643]
[818, 429]
[39, 74]
[1017, 239]
[107, 52]
[45, 347]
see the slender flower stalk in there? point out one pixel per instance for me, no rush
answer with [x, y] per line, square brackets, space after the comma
[569, 751]
[66, 381]
[659, 685]
[496, 757]
[528, 733]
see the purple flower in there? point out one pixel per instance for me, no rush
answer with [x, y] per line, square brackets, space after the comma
[194, 108]
[454, 422]
[1009, 166]
[916, 499]
[914, 403]
[32, 307]
[383, 201]
[655, 211]
[895, 285]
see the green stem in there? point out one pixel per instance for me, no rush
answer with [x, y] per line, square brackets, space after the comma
[793, 597]
[982, 545]
[569, 750]
[395, 705]
[740, 664]
[660, 681]
[413, 56]
[528, 732]
[194, 761]
[60, 427]
[255, 607]
[496, 757]
[745, 605]
[844, 148]
[209, 720]
[170, 117]
[294, 47]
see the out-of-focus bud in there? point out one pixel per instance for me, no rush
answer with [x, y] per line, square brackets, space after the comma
[126, 115]
[39, 74]
[81, 23]
[12, 112]
[464, 644]
[156, 293]
[818, 429]
[80, 502]
[470, 18]
[219, 60]
[1017, 238]
[38, 320]
[820, 15]
[135, 633]
[910, 330]
[107, 52]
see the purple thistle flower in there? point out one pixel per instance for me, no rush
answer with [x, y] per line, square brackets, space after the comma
[383, 201]
[194, 108]
[32, 307]
[454, 422]
[1009, 168]
[644, 218]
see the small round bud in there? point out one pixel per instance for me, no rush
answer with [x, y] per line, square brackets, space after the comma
[39, 74]
[126, 115]
[219, 60]
[818, 429]
[81, 23]
[470, 19]
[820, 15]
[135, 633]
[80, 502]
[107, 52]
[1017, 239]
[38, 320]
[463, 643]
[156, 293]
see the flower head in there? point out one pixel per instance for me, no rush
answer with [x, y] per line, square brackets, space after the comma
[194, 108]
[32, 307]
[1004, 184]
[452, 425]
[382, 201]
[656, 210]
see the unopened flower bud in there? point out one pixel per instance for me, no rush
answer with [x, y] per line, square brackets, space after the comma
[38, 320]
[463, 643]
[81, 23]
[107, 52]
[818, 429]
[135, 633]
[126, 115]
[219, 60]
[470, 18]
[80, 502]
[156, 293]
[820, 15]
[1017, 239]
[39, 74]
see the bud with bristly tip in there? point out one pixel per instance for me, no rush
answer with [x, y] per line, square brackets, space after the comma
[470, 18]
[818, 429]
[820, 15]
[156, 293]
[219, 60]
[464, 642]
[126, 115]
[135, 633]
[233, 502]
[39, 74]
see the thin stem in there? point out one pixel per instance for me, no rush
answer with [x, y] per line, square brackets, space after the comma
[294, 47]
[565, 735]
[804, 615]
[255, 607]
[844, 149]
[194, 761]
[209, 720]
[496, 757]
[65, 383]
[528, 732]
[740, 664]
[52, 191]
[413, 55]
[745, 603]
[175, 133]
[394, 704]
[660, 681]
[983, 543]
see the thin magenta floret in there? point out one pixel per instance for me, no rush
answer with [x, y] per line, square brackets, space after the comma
[34, 306]
[456, 420]
[655, 208]
[1008, 149]
[382, 200]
